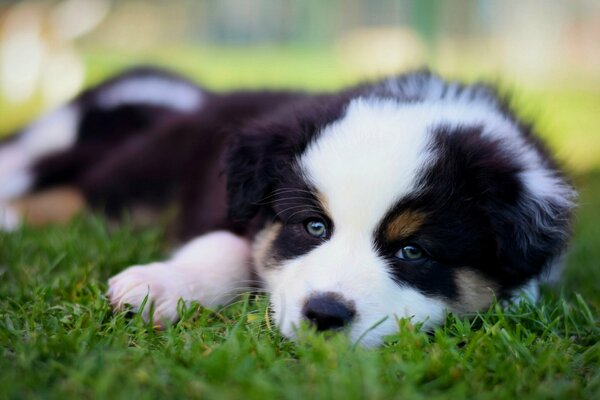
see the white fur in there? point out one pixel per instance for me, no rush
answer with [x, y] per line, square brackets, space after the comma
[13, 157]
[430, 88]
[211, 269]
[54, 132]
[10, 219]
[530, 291]
[154, 90]
[15, 184]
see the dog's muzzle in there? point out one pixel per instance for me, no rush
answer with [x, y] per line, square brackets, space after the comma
[328, 311]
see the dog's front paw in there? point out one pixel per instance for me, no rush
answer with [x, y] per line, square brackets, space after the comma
[161, 285]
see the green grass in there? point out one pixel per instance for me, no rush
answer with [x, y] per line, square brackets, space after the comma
[59, 338]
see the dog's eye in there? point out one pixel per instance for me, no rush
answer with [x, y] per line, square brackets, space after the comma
[410, 252]
[316, 228]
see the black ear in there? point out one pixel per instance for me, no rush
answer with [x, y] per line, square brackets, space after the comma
[532, 233]
[527, 207]
[254, 164]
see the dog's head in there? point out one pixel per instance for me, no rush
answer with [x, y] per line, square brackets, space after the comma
[407, 198]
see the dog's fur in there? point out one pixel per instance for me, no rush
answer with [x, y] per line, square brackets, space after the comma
[407, 197]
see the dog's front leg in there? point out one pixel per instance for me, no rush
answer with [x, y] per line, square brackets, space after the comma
[211, 269]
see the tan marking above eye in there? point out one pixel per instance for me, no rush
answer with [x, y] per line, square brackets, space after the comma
[322, 199]
[404, 224]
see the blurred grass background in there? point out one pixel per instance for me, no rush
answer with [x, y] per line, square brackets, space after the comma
[546, 54]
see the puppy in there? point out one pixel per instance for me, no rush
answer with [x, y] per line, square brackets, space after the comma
[405, 198]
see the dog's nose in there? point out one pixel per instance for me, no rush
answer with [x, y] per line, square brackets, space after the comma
[328, 311]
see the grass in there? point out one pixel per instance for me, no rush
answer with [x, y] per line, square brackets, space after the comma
[59, 338]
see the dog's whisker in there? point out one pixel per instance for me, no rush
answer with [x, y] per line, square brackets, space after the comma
[239, 299]
[292, 189]
[286, 199]
[249, 281]
[294, 207]
[239, 288]
[300, 211]
[303, 208]
[282, 191]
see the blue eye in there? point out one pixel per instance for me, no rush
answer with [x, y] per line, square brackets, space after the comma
[410, 253]
[316, 228]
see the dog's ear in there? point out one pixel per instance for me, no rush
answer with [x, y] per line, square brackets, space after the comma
[528, 205]
[532, 232]
[254, 164]
[530, 211]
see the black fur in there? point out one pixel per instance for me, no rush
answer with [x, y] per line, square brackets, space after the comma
[262, 156]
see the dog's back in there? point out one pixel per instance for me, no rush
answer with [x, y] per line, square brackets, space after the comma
[143, 140]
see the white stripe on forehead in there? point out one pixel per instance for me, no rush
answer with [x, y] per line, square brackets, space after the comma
[365, 162]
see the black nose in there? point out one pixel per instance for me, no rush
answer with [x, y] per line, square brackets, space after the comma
[328, 311]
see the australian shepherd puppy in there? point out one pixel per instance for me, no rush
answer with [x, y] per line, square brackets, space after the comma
[409, 197]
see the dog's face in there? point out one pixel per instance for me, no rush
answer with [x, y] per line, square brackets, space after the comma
[386, 209]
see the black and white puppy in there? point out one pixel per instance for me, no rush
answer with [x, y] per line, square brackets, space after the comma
[408, 197]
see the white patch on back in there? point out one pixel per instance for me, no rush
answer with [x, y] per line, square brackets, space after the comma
[152, 90]
[53, 132]
[15, 184]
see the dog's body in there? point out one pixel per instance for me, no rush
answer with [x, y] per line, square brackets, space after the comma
[409, 197]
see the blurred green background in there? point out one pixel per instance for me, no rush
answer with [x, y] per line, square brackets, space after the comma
[547, 53]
